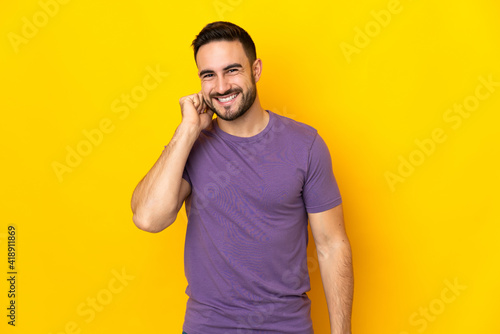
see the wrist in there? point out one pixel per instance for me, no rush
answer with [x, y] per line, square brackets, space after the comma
[188, 129]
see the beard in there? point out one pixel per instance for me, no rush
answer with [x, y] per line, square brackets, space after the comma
[247, 100]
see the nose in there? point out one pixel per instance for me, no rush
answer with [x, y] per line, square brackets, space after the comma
[223, 85]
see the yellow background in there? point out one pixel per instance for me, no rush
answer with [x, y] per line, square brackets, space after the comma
[409, 240]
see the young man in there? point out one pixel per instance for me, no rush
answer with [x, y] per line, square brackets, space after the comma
[251, 179]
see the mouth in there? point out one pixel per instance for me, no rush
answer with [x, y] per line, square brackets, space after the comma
[227, 99]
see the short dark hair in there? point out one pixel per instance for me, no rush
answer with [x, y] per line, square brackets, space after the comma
[225, 31]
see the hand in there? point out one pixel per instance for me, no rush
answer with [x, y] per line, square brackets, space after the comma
[195, 112]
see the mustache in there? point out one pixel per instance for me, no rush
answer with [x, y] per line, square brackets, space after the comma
[228, 92]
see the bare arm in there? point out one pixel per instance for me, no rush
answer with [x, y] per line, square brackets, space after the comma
[159, 195]
[335, 262]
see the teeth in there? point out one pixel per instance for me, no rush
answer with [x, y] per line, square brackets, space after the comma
[227, 98]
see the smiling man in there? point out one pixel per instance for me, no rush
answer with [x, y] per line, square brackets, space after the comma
[250, 180]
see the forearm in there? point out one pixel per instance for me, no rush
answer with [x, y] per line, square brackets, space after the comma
[338, 282]
[155, 201]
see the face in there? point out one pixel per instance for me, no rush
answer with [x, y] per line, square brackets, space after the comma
[227, 78]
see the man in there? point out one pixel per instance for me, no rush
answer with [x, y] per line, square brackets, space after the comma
[251, 179]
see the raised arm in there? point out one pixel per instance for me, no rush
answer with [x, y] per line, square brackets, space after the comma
[159, 195]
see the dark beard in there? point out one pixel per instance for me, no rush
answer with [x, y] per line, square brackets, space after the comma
[247, 101]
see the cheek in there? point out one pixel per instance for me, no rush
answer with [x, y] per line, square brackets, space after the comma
[206, 97]
[205, 90]
[239, 83]
[245, 81]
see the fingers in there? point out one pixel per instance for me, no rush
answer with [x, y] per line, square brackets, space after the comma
[200, 103]
[186, 100]
[196, 100]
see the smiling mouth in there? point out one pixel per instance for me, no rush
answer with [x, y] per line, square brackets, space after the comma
[227, 98]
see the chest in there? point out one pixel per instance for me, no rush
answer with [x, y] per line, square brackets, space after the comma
[270, 177]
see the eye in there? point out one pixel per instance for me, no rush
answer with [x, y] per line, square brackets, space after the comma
[207, 76]
[233, 70]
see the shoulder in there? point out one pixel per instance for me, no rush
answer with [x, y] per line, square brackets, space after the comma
[297, 132]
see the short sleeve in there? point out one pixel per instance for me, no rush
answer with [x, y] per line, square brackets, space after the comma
[185, 175]
[321, 191]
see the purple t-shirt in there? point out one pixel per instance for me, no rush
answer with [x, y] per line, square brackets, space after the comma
[246, 241]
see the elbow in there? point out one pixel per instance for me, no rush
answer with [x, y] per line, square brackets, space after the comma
[149, 218]
[335, 247]
[152, 224]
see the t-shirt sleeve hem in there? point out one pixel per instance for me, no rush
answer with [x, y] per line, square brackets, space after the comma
[324, 207]
[185, 175]
[187, 179]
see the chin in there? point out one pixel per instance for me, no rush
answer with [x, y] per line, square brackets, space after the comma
[232, 115]
[226, 115]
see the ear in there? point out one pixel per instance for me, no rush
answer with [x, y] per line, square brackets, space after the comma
[257, 69]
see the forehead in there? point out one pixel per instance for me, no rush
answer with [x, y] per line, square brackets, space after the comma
[216, 55]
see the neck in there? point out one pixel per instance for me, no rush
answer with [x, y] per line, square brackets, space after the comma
[249, 124]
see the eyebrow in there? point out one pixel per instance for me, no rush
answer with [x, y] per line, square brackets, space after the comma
[224, 69]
